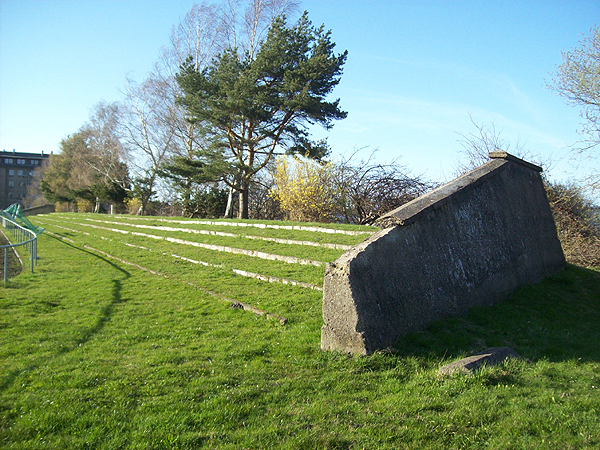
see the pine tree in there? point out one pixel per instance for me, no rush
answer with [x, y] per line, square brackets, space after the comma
[252, 106]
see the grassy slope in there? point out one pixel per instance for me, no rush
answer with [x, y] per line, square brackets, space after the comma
[95, 354]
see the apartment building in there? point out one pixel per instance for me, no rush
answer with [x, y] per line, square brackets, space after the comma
[16, 174]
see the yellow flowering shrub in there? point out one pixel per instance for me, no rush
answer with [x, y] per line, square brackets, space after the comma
[62, 207]
[133, 205]
[304, 189]
[84, 206]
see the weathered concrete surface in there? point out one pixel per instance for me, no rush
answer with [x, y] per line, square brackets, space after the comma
[489, 357]
[467, 243]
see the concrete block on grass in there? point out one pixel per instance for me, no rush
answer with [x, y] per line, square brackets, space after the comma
[467, 243]
[490, 357]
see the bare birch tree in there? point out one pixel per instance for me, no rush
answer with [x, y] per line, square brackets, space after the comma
[155, 130]
[106, 155]
[91, 164]
[149, 127]
[577, 80]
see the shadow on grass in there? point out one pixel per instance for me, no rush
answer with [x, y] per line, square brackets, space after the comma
[557, 319]
[107, 310]
[105, 315]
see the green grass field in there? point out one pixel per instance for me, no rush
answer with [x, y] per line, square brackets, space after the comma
[134, 348]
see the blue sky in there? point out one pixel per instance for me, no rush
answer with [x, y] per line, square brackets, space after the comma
[417, 71]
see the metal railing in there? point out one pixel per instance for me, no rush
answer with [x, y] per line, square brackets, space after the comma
[24, 237]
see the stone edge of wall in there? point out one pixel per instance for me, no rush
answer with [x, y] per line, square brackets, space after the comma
[411, 211]
[44, 209]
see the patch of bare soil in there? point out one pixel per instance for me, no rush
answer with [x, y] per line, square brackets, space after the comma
[14, 265]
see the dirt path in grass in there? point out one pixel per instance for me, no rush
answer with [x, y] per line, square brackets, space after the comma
[14, 264]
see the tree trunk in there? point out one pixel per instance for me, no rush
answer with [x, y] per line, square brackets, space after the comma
[143, 206]
[244, 197]
[229, 208]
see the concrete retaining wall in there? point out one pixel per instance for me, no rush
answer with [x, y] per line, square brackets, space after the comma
[467, 243]
[45, 209]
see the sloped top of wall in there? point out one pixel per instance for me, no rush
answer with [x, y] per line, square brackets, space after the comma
[411, 211]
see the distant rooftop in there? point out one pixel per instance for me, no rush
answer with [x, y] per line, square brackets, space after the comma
[26, 154]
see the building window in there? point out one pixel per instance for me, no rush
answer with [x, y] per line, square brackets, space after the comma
[11, 184]
[20, 173]
[10, 195]
[21, 161]
[11, 173]
[8, 160]
[30, 174]
[34, 162]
